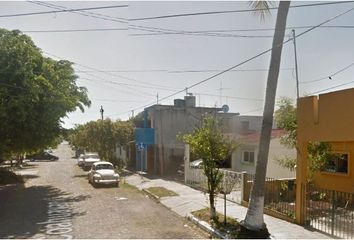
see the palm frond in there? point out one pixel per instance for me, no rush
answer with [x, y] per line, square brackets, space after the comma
[261, 8]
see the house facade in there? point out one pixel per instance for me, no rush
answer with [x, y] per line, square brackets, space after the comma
[246, 133]
[326, 118]
[166, 155]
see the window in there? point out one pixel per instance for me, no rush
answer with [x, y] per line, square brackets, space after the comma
[337, 163]
[248, 156]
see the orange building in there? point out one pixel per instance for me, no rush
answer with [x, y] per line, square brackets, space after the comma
[326, 118]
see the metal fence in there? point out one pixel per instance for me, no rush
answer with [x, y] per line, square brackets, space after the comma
[330, 211]
[197, 179]
[279, 195]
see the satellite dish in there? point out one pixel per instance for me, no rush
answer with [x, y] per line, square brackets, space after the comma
[225, 108]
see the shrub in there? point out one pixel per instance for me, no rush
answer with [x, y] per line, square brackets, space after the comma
[8, 177]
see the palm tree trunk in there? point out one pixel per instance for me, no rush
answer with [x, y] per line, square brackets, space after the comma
[254, 219]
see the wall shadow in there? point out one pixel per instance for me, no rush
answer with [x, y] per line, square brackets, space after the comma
[21, 209]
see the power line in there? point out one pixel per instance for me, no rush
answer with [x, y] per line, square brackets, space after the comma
[107, 73]
[132, 85]
[60, 11]
[232, 11]
[82, 12]
[330, 75]
[247, 60]
[114, 100]
[340, 85]
[75, 30]
[205, 31]
[231, 97]
[187, 70]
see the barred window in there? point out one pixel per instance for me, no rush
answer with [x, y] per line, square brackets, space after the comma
[248, 156]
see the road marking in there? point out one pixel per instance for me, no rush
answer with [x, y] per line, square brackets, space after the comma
[58, 221]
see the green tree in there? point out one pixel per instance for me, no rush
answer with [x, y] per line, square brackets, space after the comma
[285, 118]
[36, 93]
[207, 142]
[254, 220]
[102, 136]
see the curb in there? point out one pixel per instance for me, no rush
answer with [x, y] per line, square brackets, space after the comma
[205, 226]
[157, 198]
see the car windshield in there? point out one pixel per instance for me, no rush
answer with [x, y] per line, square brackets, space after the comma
[92, 156]
[104, 166]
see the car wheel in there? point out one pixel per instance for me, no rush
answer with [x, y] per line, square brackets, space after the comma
[32, 160]
[117, 184]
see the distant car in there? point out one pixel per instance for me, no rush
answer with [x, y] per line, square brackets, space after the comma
[42, 156]
[49, 150]
[103, 173]
[196, 164]
[80, 160]
[89, 159]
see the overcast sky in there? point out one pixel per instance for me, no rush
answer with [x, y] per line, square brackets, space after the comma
[124, 69]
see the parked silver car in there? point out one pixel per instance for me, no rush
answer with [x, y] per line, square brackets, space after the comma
[103, 173]
[89, 159]
[80, 160]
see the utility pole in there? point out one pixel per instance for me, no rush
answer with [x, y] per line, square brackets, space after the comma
[157, 98]
[296, 72]
[101, 111]
[132, 113]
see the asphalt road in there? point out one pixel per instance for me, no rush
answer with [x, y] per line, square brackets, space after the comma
[57, 202]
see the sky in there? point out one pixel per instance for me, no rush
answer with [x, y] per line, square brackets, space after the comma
[138, 62]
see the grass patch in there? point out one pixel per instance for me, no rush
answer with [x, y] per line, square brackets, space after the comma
[232, 228]
[162, 192]
[9, 177]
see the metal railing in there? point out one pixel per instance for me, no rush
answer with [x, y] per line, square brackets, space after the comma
[330, 211]
[279, 195]
[197, 179]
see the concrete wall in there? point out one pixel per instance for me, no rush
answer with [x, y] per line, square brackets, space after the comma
[327, 118]
[274, 170]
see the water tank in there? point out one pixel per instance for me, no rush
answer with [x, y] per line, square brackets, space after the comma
[179, 103]
[190, 101]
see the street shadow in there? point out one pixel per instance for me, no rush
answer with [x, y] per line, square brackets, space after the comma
[81, 175]
[22, 209]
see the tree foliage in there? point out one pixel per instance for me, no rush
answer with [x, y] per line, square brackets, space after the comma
[208, 143]
[285, 118]
[36, 93]
[319, 158]
[102, 136]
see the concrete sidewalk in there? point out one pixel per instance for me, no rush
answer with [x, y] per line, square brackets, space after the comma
[189, 200]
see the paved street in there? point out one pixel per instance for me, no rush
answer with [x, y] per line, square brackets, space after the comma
[58, 202]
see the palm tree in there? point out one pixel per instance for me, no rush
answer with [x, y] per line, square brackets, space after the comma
[254, 220]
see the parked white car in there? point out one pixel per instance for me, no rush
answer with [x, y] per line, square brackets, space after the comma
[103, 173]
[89, 159]
[80, 160]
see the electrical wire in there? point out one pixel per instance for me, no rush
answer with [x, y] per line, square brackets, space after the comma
[107, 73]
[232, 11]
[340, 85]
[329, 76]
[82, 12]
[230, 97]
[205, 31]
[247, 60]
[75, 30]
[60, 11]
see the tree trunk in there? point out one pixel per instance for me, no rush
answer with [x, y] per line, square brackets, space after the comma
[212, 204]
[254, 219]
